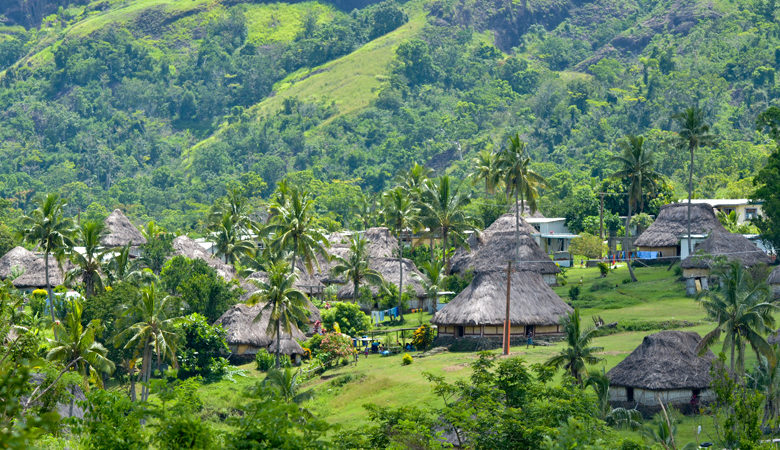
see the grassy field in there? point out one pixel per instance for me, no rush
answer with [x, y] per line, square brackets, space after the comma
[341, 393]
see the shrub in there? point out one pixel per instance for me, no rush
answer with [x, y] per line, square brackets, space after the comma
[423, 337]
[203, 348]
[350, 318]
[335, 347]
[407, 359]
[678, 271]
[264, 360]
[574, 292]
[313, 344]
[604, 269]
[599, 285]
[586, 244]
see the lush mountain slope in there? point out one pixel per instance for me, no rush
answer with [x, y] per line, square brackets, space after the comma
[158, 105]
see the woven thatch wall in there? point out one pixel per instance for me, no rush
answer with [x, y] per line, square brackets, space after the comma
[120, 232]
[664, 361]
[242, 329]
[483, 302]
[18, 257]
[734, 247]
[503, 246]
[672, 221]
[390, 270]
[188, 248]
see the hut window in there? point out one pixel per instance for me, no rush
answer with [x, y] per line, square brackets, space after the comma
[630, 394]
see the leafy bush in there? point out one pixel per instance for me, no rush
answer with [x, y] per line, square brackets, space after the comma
[313, 344]
[587, 244]
[202, 349]
[264, 360]
[335, 347]
[350, 318]
[199, 286]
[179, 425]
[601, 285]
[603, 269]
[574, 292]
[407, 359]
[423, 337]
[111, 421]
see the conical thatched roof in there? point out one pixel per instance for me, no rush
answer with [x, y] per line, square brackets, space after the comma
[250, 288]
[390, 270]
[503, 246]
[774, 277]
[242, 329]
[665, 360]
[672, 222]
[305, 282]
[34, 275]
[185, 246]
[733, 247]
[505, 223]
[120, 231]
[18, 257]
[288, 346]
[483, 302]
[381, 244]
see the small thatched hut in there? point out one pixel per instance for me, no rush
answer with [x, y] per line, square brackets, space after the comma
[185, 246]
[390, 270]
[121, 232]
[34, 276]
[381, 244]
[305, 282]
[663, 236]
[480, 309]
[774, 281]
[17, 259]
[245, 336]
[503, 246]
[666, 366]
[719, 244]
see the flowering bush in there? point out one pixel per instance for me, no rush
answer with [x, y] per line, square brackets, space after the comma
[407, 359]
[335, 346]
[423, 337]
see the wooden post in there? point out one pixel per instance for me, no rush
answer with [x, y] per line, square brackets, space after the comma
[507, 323]
[601, 218]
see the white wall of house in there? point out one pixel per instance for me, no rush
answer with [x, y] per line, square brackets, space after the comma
[741, 206]
[647, 397]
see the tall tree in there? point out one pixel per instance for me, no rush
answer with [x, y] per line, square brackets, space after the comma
[767, 181]
[231, 238]
[355, 267]
[151, 331]
[742, 309]
[88, 264]
[486, 169]
[292, 227]
[76, 345]
[285, 304]
[578, 351]
[434, 279]
[636, 168]
[47, 228]
[694, 133]
[400, 214]
[443, 208]
[414, 180]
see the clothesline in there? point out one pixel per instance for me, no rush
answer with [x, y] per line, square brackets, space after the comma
[379, 316]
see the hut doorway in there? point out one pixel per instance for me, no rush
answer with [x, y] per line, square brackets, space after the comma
[529, 329]
[630, 394]
[459, 331]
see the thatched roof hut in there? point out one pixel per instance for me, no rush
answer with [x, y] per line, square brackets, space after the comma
[245, 335]
[305, 282]
[774, 281]
[185, 246]
[503, 246]
[527, 211]
[672, 222]
[734, 247]
[480, 309]
[34, 275]
[665, 364]
[120, 231]
[19, 258]
[505, 223]
[390, 270]
[381, 244]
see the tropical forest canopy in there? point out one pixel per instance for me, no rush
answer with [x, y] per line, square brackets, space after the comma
[161, 107]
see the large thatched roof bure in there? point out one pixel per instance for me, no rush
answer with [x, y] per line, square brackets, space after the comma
[242, 328]
[120, 232]
[18, 258]
[390, 270]
[483, 302]
[672, 222]
[665, 360]
[185, 246]
[503, 246]
[731, 246]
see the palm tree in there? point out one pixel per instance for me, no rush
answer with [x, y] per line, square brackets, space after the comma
[287, 383]
[434, 279]
[414, 180]
[616, 417]
[234, 205]
[355, 267]
[520, 180]
[46, 228]
[743, 313]
[292, 225]
[486, 169]
[285, 304]
[578, 351]
[230, 241]
[694, 133]
[636, 167]
[122, 268]
[152, 332]
[76, 346]
[400, 213]
[88, 265]
[443, 209]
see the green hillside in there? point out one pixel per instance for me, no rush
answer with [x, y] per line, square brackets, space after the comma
[158, 106]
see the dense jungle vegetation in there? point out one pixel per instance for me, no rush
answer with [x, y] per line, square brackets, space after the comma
[159, 107]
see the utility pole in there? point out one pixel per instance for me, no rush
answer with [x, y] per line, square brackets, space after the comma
[507, 322]
[601, 217]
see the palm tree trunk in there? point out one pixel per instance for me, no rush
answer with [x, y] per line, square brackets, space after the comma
[145, 369]
[690, 195]
[444, 233]
[48, 286]
[132, 387]
[628, 235]
[733, 344]
[517, 229]
[278, 339]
